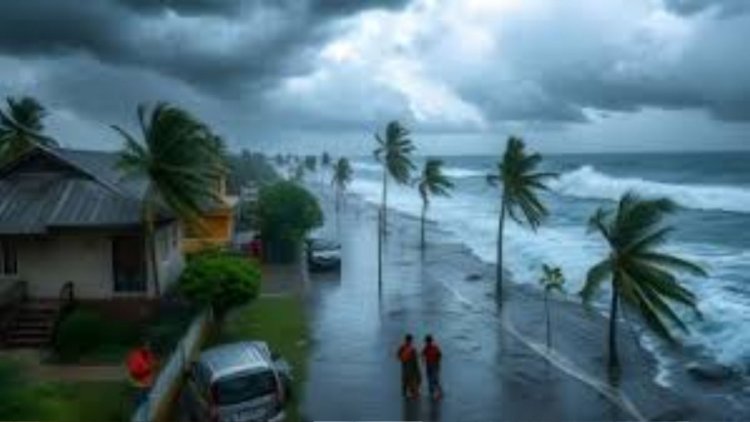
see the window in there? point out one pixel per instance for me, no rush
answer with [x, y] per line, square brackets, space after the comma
[8, 258]
[128, 264]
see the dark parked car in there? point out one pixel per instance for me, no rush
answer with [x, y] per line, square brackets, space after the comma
[237, 382]
[323, 255]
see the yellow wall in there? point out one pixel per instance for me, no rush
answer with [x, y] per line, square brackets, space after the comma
[214, 229]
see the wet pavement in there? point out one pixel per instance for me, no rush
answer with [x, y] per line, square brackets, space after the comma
[489, 373]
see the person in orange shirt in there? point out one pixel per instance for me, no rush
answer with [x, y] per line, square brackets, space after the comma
[141, 363]
[432, 356]
[410, 375]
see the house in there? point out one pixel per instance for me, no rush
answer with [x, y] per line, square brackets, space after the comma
[215, 226]
[72, 224]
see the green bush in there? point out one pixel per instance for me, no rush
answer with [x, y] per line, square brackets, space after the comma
[86, 333]
[286, 212]
[220, 280]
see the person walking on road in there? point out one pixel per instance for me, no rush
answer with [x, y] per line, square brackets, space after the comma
[432, 356]
[410, 375]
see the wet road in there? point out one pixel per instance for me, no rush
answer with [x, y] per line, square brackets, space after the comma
[488, 373]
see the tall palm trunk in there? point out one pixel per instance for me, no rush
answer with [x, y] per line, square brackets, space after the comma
[614, 361]
[151, 239]
[424, 213]
[384, 204]
[500, 227]
[380, 253]
[546, 312]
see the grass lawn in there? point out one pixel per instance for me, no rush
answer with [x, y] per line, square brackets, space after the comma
[280, 321]
[25, 399]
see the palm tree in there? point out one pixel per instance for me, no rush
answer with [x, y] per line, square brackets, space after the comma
[432, 182]
[325, 162]
[393, 152]
[21, 127]
[182, 162]
[641, 275]
[552, 280]
[342, 176]
[521, 185]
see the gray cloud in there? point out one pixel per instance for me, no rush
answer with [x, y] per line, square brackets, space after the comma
[724, 8]
[221, 46]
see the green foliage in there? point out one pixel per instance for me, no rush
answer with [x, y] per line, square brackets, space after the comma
[642, 275]
[325, 159]
[552, 279]
[180, 157]
[394, 152]
[250, 168]
[342, 174]
[286, 212]
[521, 183]
[86, 334]
[220, 280]
[21, 127]
[311, 163]
[433, 181]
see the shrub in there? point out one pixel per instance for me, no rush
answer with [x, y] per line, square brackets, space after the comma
[87, 334]
[286, 212]
[220, 280]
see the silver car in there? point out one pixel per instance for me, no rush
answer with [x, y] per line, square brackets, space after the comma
[238, 382]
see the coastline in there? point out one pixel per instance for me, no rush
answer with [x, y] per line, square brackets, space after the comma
[578, 334]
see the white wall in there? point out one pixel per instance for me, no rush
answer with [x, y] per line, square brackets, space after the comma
[169, 256]
[46, 263]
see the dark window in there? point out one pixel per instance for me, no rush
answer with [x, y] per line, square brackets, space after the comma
[8, 258]
[245, 387]
[128, 264]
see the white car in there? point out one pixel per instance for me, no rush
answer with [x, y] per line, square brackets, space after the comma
[237, 382]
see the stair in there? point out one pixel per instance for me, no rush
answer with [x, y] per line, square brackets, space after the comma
[33, 325]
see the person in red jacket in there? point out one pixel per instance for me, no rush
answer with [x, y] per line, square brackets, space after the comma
[410, 376]
[432, 356]
[141, 363]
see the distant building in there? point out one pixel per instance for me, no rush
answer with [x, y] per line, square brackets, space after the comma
[216, 225]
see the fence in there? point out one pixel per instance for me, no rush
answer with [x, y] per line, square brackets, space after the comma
[167, 385]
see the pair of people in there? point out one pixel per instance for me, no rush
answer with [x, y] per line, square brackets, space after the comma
[411, 377]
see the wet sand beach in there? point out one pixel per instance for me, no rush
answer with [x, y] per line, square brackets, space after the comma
[496, 363]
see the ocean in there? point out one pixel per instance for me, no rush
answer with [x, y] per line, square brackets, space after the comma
[712, 189]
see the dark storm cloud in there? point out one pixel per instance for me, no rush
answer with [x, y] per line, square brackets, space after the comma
[227, 47]
[724, 8]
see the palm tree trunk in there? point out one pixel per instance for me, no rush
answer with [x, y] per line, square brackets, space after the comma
[380, 253]
[546, 312]
[499, 269]
[151, 238]
[424, 212]
[384, 204]
[614, 361]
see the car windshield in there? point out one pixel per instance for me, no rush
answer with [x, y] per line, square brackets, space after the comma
[323, 245]
[245, 387]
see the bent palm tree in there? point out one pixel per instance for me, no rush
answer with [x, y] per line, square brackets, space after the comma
[431, 182]
[552, 280]
[342, 175]
[21, 127]
[517, 175]
[182, 162]
[393, 152]
[640, 274]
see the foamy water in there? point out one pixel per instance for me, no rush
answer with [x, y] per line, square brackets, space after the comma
[470, 216]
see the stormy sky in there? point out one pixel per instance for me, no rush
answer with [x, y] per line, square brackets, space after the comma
[570, 76]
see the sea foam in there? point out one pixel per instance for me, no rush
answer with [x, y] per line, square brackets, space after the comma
[588, 183]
